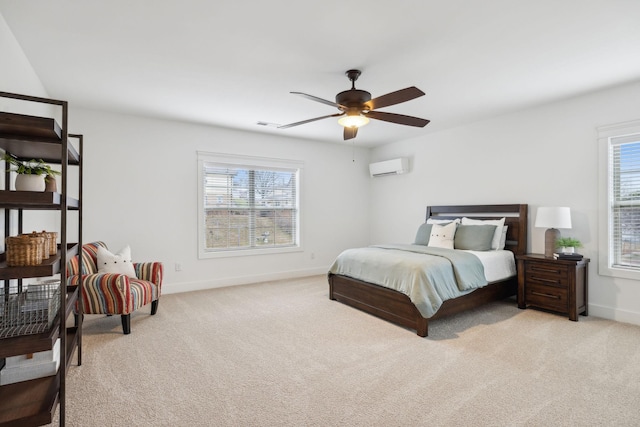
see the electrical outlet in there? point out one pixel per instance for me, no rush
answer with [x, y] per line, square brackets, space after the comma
[313, 255]
[178, 266]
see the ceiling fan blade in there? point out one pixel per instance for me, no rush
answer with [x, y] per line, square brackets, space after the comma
[315, 98]
[398, 118]
[350, 133]
[396, 97]
[290, 125]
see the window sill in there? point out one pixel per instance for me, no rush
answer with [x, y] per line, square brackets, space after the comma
[619, 272]
[247, 252]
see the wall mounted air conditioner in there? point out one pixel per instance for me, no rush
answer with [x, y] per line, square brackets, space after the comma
[389, 167]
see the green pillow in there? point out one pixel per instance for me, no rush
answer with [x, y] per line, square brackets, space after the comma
[474, 237]
[423, 234]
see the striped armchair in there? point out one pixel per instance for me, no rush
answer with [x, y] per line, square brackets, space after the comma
[106, 293]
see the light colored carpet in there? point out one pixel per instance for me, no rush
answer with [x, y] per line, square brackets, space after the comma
[283, 354]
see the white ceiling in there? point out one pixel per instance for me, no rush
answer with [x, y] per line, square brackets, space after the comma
[232, 63]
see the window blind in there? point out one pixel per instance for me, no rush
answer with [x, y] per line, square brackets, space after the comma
[248, 207]
[625, 201]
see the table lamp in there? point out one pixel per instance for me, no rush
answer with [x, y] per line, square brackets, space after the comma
[552, 219]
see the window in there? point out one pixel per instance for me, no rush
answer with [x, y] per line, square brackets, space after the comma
[620, 199]
[247, 205]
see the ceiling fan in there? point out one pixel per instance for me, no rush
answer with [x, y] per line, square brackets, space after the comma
[356, 107]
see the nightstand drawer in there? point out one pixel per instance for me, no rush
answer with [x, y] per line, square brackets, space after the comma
[549, 297]
[547, 274]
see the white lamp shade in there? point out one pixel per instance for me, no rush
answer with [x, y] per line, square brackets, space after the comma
[553, 217]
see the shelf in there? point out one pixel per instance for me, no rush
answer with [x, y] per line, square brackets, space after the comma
[42, 128]
[34, 200]
[29, 137]
[33, 402]
[29, 403]
[25, 344]
[49, 267]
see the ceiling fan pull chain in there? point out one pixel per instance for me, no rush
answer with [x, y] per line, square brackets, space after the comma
[353, 150]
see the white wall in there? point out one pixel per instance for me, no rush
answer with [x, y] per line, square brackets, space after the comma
[16, 73]
[140, 189]
[545, 156]
[17, 76]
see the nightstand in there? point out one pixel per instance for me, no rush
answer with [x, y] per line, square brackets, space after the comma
[553, 284]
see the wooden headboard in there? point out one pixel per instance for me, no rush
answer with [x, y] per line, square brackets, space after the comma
[515, 218]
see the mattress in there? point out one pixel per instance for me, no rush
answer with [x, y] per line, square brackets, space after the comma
[498, 265]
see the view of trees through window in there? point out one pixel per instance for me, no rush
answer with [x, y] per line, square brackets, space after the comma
[249, 208]
[626, 204]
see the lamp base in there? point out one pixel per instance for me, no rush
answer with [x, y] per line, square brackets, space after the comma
[550, 237]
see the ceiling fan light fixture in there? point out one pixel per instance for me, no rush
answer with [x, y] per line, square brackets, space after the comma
[353, 121]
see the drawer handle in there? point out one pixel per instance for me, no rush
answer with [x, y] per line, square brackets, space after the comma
[549, 270]
[540, 294]
[542, 279]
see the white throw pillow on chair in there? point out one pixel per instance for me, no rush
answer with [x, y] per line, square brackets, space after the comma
[119, 263]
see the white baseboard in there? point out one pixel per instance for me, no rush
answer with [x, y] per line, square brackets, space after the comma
[173, 288]
[614, 314]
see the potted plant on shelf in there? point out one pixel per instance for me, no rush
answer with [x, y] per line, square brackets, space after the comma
[33, 175]
[567, 244]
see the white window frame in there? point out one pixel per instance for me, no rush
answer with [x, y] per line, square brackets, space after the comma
[607, 136]
[253, 162]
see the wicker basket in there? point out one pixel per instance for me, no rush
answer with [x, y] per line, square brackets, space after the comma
[53, 238]
[50, 246]
[45, 242]
[24, 250]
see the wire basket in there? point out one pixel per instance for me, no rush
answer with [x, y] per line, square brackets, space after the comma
[29, 312]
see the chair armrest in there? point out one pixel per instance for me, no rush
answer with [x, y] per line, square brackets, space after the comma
[105, 293]
[150, 271]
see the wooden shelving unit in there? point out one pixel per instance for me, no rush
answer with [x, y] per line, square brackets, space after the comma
[34, 402]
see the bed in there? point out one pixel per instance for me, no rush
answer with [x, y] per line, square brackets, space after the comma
[397, 307]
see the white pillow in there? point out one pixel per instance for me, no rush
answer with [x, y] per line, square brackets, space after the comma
[442, 235]
[497, 235]
[503, 238]
[119, 263]
[442, 221]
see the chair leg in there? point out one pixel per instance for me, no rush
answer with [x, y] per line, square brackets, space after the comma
[154, 306]
[126, 323]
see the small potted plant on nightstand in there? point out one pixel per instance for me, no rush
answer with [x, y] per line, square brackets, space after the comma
[33, 175]
[567, 244]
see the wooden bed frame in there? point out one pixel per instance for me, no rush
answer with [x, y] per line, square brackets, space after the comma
[396, 307]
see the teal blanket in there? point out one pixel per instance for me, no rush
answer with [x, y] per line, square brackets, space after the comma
[428, 276]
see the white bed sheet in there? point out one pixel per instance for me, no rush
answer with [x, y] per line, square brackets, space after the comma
[498, 265]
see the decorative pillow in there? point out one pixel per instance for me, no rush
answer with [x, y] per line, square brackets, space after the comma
[474, 237]
[423, 234]
[442, 221]
[119, 263]
[497, 235]
[442, 235]
[503, 238]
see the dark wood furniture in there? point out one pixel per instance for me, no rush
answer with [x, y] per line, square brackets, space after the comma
[553, 284]
[396, 307]
[34, 402]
